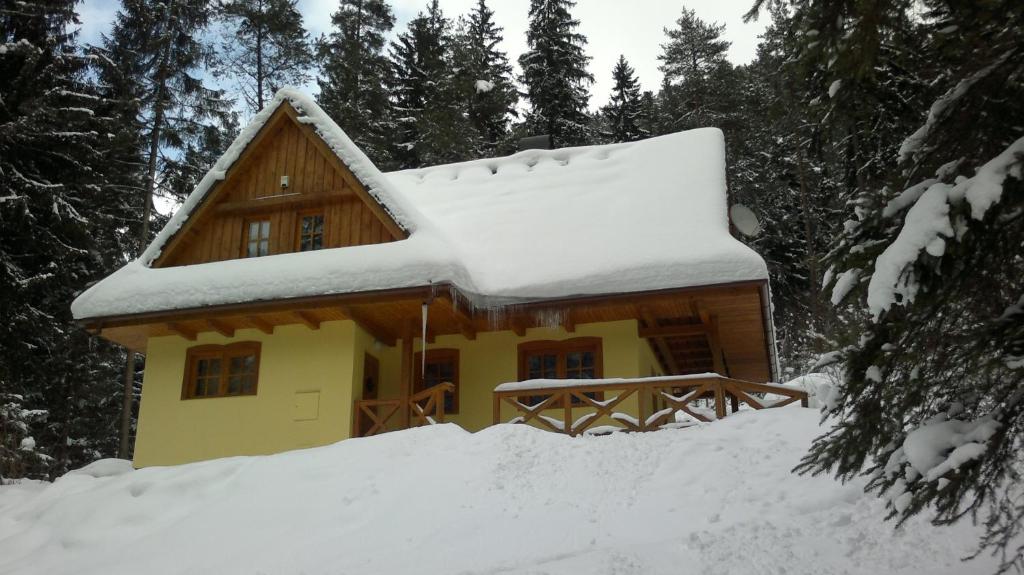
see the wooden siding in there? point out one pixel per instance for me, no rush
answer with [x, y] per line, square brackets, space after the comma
[318, 183]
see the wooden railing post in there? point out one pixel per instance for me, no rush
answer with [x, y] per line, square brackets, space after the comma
[406, 376]
[439, 404]
[719, 400]
[567, 413]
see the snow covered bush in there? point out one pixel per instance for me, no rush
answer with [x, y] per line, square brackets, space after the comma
[18, 454]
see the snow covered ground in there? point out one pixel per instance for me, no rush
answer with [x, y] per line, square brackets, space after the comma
[716, 498]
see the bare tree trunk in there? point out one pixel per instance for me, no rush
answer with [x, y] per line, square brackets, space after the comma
[259, 63]
[124, 449]
[812, 253]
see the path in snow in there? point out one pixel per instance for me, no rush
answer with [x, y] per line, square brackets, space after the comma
[714, 499]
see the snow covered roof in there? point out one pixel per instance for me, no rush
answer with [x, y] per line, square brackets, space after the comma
[535, 225]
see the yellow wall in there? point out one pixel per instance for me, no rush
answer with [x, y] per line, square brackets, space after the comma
[304, 397]
[303, 369]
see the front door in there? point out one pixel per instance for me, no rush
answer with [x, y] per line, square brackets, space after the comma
[371, 385]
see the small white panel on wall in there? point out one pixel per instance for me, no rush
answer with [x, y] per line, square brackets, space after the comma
[306, 405]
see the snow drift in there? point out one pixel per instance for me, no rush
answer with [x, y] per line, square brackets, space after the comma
[717, 498]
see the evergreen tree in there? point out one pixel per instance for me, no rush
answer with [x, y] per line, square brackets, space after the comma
[154, 54]
[693, 62]
[484, 76]
[927, 136]
[62, 213]
[432, 124]
[624, 111]
[777, 166]
[649, 118]
[356, 73]
[184, 173]
[265, 48]
[555, 74]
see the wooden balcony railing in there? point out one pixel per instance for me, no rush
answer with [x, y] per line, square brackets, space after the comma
[375, 416]
[658, 399]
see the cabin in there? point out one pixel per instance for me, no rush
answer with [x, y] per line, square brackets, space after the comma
[300, 296]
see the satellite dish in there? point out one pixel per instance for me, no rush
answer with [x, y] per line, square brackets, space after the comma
[745, 220]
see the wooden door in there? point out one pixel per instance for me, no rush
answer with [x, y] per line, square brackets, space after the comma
[371, 387]
[371, 377]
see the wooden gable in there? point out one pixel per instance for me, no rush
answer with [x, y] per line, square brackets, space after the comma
[319, 183]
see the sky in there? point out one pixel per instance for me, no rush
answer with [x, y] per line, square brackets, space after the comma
[634, 28]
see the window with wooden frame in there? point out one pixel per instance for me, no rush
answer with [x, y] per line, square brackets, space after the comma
[577, 358]
[221, 370]
[442, 366]
[257, 238]
[311, 232]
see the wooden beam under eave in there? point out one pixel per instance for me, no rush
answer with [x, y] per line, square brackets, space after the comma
[291, 201]
[673, 331]
[261, 324]
[518, 326]
[307, 319]
[467, 330]
[669, 361]
[569, 322]
[221, 327]
[178, 329]
[465, 321]
[384, 336]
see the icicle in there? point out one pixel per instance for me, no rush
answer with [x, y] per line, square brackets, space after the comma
[423, 332]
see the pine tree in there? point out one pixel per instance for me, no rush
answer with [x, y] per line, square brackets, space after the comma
[777, 168]
[265, 48]
[356, 73]
[555, 73]
[62, 214]
[694, 63]
[624, 111]
[184, 173]
[433, 127]
[921, 112]
[484, 76]
[155, 54]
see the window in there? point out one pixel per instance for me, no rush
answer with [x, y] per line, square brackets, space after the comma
[577, 358]
[311, 232]
[257, 238]
[221, 370]
[442, 366]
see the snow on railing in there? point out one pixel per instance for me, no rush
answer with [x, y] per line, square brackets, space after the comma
[656, 402]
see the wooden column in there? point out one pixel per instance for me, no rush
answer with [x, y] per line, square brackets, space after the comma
[406, 375]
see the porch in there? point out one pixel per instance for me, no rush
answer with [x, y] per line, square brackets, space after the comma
[589, 406]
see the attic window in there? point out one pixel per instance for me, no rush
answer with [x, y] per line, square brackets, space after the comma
[257, 238]
[311, 232]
